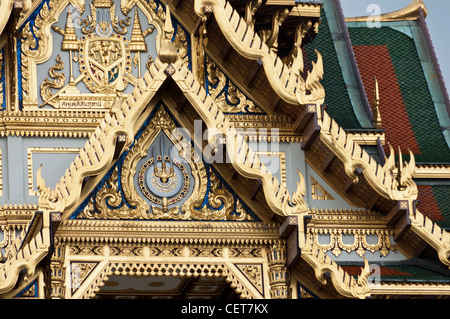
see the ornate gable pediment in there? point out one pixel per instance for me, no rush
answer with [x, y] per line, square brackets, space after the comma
[163, 176]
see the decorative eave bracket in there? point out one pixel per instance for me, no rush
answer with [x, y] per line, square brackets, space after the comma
[307, 125]
[29, 251]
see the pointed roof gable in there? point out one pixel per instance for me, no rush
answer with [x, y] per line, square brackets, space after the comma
[349, 167]
[409, 113]
[116, 134]
[413, 103]
[155, 135]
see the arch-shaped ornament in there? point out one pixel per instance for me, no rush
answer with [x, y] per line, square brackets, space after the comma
[163, 176]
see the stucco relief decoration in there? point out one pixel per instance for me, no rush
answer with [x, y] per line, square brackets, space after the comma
[163, 177]
[80, 54]
[227, 95]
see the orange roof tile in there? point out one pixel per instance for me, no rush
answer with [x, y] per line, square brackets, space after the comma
[428, 204]
[385, 271]
[375, 61]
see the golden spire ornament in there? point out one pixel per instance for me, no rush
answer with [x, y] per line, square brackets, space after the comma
[137, 42]
[70, 43]
[376, 107]
[168, 52]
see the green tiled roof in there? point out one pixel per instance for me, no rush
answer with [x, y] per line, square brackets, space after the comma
[434, 203]
[407, 271]
[414, 88]
[411, 273]
[339, 104]
[442, 195]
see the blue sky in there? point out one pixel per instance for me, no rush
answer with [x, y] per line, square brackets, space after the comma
[437, 21]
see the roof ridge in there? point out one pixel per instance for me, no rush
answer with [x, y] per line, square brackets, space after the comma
[353, 156]
[355, 69]
[434, 235]
[25, 255]
[410, 12]
[283, 78]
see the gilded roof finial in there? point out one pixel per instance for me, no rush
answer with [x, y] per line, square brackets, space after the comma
[376, 106]
[137, 42]
[70, 40]
[168, 52]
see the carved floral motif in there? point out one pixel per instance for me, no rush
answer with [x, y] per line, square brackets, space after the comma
[229, 98]
[118, 198]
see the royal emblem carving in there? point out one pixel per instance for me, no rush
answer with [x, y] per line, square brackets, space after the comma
[105, 63]
[161, 177]
[99, 51]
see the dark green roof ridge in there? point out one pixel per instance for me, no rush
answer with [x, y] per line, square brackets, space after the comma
[336, 96]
